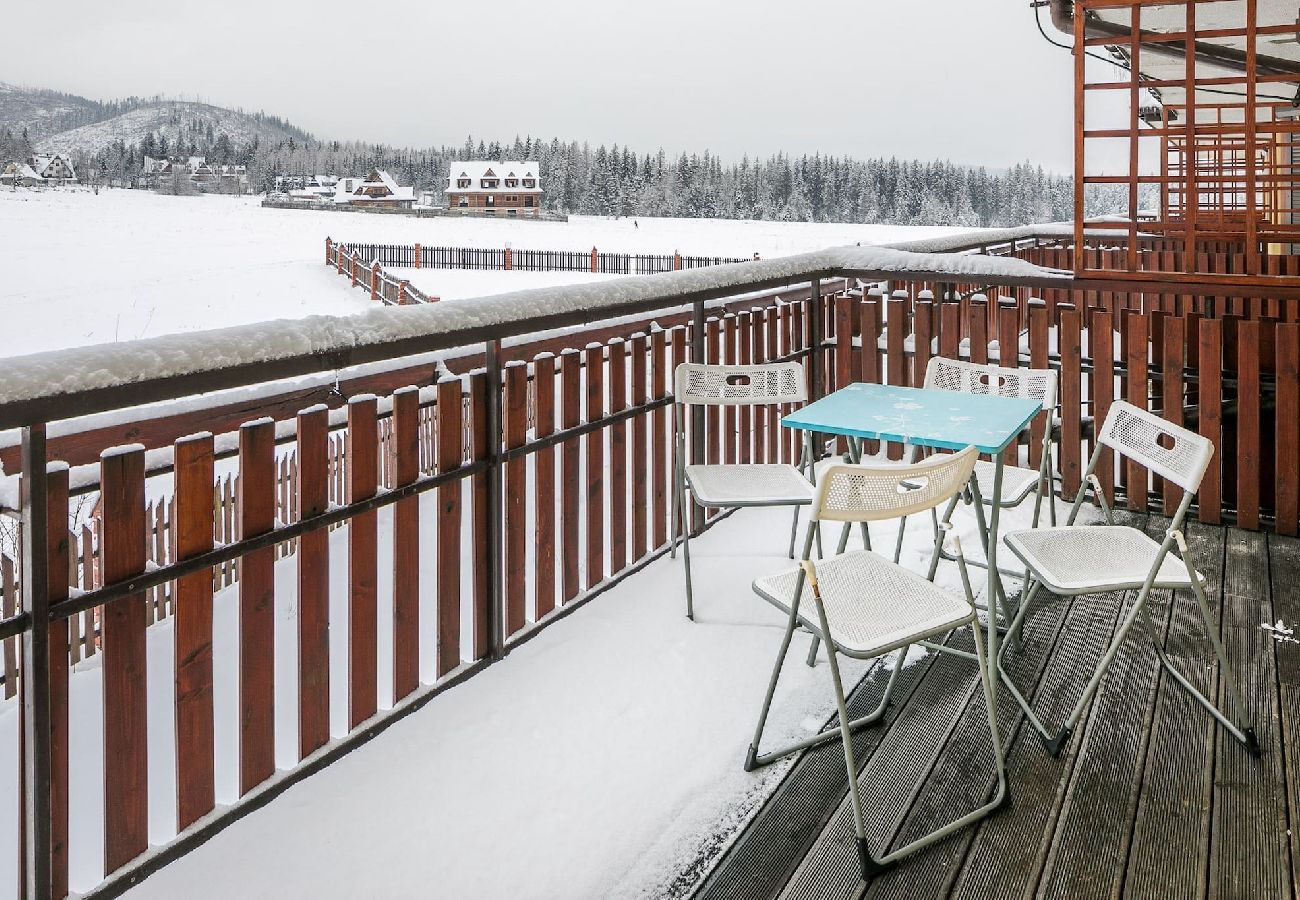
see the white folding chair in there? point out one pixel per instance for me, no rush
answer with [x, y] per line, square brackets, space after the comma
[732, 485]
[864, 606]
[1018, 482]
[1078, 559]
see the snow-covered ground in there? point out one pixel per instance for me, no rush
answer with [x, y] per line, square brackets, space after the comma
[85, 269]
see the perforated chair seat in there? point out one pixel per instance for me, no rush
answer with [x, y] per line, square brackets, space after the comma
[872, 605]
[1017, 483]
[748, 485]
[1077, 559]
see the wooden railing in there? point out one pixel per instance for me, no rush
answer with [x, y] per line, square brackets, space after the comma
[524, 457]
[366, 271]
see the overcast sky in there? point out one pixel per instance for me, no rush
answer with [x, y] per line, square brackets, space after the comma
[968, 80]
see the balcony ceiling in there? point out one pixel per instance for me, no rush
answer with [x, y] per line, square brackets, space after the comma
[1277, 54]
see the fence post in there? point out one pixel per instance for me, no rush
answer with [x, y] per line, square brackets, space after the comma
[418, 256]
[353, 263]
[374, 280]
[496, 502]
[338, 257]
[401, 292]
[37, 858]
[327, 250]
[508, 260]
[677, 261]
[594, 260]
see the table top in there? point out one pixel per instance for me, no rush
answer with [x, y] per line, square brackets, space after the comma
[930, 418]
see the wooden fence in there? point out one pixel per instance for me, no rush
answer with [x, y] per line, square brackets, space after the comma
[366, 271]
[418, 256]
[551, 474]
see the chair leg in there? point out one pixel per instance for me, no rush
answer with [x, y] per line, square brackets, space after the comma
[898, 544]
[1241, 729]
[794, 530]
[867, 863]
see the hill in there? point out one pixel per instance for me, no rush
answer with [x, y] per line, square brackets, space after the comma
[67, 123]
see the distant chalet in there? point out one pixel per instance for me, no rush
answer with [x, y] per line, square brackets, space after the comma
[494, 188]
[40, 170]
[378, 189]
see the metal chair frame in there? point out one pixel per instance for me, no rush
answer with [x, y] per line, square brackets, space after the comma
[942, 477]
[1164, 460]
[700, 384]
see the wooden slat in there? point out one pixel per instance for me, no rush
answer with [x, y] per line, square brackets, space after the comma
[594, 472]
[641, 460]
[313, 583]
[363, 563]
[482, 515]
[1101, 336]
[406, 544]
[618, 455]
[570, 486]
[1248, 455]
[60, 558]
[1175, 344]
[451, 454]
[1038, 359]
[895, 360]
[1287, 425]
[544, 487]
[1008, 356]
[256, 606]
[126, 761]
[195, 772]
[660, 441]
[1137, 353]
[516, 490]
[1071, 400]
[1210, 421]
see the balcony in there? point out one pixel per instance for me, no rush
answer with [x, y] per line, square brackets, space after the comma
[434, 638]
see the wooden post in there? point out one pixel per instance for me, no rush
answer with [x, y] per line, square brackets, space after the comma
[327, 250]
[374, 280]
[677, 261]
[401, 292]
[418, 256]
[508, 259]
[595, 260]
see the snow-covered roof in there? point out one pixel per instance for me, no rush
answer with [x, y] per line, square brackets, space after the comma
[380, 177]
[477, 170]
[42, 163]
[20, 170]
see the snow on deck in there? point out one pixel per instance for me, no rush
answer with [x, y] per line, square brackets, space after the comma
[602, 758]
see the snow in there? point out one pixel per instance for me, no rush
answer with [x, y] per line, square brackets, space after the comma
[290, 278]
[600, 759]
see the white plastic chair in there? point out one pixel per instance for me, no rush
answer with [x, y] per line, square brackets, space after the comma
[1077, 559]
[732, 485]
[864, 606]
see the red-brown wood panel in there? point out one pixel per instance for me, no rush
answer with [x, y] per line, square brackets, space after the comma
[771, 353]
[406, 544]
[451, 455]
[122, 631]
[1008, 355]
[1174, 357]
[1101, 337]
[544, 486]
[895, 359]
[949, 330]
[595, 468]
[843, 340]
[195, 774]
[1137, 351]
[1038, 359]
[1210, 398]
[923, 330]
[1071, 397]
[1287, 423]
[363, 564]
[570, 486]
[618, 454]
[313, 582]
[712, 414]
[483, 562]
[660, 440]
[870, 316]
[977, 321]
[1248, 424]
[516, 489]
[256, 606]
[60, 560]
[744, 414]
[730, 336]
[641, 461]
[757, 354]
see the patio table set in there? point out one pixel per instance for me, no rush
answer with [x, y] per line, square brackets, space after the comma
[863, 605]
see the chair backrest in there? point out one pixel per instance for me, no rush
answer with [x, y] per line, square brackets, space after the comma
[867, 493]
[714, 385]
[973, 378]
[1172, 452]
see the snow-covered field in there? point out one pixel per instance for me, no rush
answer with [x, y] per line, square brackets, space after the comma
[85, 269]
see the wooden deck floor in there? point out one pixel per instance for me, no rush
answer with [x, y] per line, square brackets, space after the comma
[1150, 799]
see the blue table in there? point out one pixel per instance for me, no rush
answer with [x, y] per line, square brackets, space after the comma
[928, 418]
